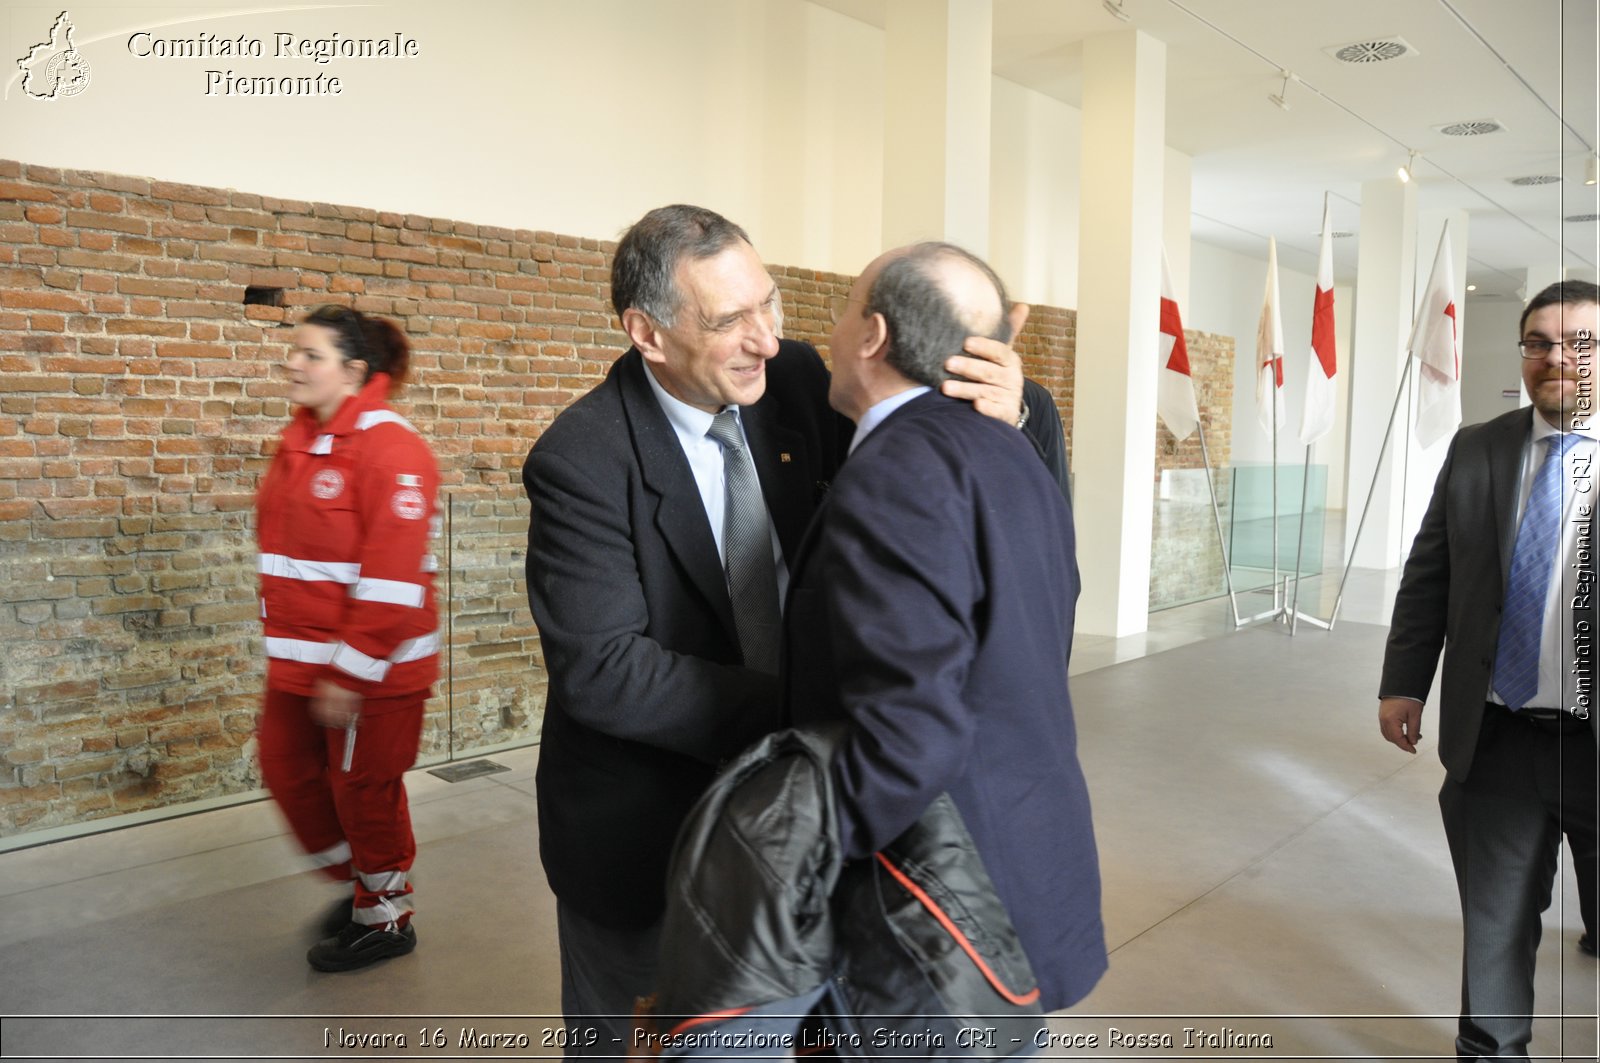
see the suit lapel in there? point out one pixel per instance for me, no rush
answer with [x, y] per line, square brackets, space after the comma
[1505, 472]
[786, 477]
[680, 516]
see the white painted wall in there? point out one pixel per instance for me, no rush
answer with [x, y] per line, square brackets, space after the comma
[1489, 359]
[538, 114]
[1033, 189]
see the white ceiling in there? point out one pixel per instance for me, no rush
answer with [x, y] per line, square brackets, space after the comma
[1260, 171]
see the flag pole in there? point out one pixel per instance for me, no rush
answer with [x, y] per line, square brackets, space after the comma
[1277, 607]
[1216, 517]
[1300, 547]
[1377, 468]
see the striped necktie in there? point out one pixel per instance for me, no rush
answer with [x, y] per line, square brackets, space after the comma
[1516, 655]
[747, 549]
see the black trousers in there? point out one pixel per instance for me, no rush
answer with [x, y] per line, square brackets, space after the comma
[1531, 782]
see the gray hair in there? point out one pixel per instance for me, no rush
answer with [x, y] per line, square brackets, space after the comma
[925, 326]
[643, 271]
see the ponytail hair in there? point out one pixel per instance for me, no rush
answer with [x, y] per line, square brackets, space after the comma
[376, 341]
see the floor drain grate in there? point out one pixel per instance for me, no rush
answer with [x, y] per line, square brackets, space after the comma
[467, 769]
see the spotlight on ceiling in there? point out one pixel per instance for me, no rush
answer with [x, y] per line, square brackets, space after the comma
[1591, 169]
[1114, 8]
[1472, 287]
[1404, 173]
[1280, 99]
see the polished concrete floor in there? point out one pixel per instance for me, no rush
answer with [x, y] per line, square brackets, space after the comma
[1273, 872]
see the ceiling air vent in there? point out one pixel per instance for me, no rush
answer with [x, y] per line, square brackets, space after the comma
[1582, 217]
[1380, 50]
[1537, 179]
[1341, 234]
[1470, 129]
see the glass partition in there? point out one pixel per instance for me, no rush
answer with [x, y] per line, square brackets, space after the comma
[492, 684]
[1186, 554]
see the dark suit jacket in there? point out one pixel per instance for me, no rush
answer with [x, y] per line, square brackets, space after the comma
[931, 605]
[1454, 583]
[647, 689]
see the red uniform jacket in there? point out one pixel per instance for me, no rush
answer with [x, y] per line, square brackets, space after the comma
[344, 521]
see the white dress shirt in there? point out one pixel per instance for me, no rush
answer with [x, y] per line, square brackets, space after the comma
[1558, 687]
[704, 453]
[878, 412]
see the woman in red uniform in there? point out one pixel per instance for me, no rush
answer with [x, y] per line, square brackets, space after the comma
[344, 520]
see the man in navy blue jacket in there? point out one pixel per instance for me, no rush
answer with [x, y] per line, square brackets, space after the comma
[931, 604]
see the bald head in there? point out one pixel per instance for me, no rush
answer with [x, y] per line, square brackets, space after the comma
[932, 297]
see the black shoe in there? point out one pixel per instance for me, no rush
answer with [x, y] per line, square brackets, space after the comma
[1586, 943]
[335, 919]
[358, 945]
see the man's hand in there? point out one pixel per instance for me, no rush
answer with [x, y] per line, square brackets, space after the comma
[992, 378]
[1400, 720]
[334, 706]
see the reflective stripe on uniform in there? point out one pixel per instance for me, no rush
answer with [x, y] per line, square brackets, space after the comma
[331, 856]
[387, 910]
[394, 592]
[383, 881]
[308, 571]
[377, 417]
[353, 662]
[301, 650]
[416, 649]
[430, 563]
[322, 445]
[347, 658]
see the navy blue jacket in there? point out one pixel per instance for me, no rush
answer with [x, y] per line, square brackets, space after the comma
[931, 604]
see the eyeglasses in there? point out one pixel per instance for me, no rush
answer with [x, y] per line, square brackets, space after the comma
[1582, 343]
[836, 305]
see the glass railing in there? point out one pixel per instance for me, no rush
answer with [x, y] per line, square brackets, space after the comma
[1187, 535]
[492, 684]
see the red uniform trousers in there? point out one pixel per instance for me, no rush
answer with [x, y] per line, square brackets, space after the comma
[355, 824]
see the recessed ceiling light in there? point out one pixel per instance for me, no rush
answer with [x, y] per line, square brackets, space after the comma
[1470, 129]
[1472, 287]
[1378, 50]
[1537, 179]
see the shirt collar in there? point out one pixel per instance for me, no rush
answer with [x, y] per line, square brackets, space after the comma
[1541, 429]
[688, 421]
[880, 411]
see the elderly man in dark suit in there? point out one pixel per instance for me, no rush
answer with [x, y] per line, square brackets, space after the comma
[664, 506]
[1502, 577]
[932, 607]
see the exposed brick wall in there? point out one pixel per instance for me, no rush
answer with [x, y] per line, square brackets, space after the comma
[1185, 563]
[140, 401]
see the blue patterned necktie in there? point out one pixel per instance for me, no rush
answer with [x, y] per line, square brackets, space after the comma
[1516, 655]
[747, 549]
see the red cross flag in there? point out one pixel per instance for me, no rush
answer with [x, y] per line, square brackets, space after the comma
[1175, 401]
[1321, 394]
[1269, 351]
[1435, 345]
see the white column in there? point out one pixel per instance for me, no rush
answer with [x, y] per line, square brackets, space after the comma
[1176, 225]
[1541, 275]
[1119, 291]
[1385, 271]
[937, 70]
